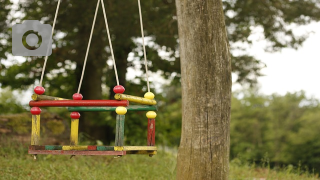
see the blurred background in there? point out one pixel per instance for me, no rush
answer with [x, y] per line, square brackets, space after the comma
[275, 63]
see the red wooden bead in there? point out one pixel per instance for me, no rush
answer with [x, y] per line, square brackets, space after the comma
[75, 115]
[77, 96]
[39, 90]
[35, 111]
[119, 89]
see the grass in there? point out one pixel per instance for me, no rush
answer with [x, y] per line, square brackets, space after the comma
[15, 163]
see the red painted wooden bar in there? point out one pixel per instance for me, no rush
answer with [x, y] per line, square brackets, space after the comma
[151, 132]
[76, 152]
[77, 103]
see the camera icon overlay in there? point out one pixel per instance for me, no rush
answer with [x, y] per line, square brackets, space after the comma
[31, 38]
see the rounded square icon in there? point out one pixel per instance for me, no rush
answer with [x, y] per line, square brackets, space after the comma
[31, 38]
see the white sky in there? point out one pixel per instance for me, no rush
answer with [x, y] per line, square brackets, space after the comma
[291, 70]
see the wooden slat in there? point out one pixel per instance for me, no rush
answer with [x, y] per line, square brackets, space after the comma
[92, 148]
[135, 99]
[37, 147]
[119, 141]
[74, 132]
[73, 152]
[76, 103]
[69, 148]
[151, 132]
[97, 109]
[53, 147]
[35, 130]
[37, 97]
[105, 148]
[138, 148]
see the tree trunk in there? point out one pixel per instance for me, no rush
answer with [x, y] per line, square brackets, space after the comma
[206, 91]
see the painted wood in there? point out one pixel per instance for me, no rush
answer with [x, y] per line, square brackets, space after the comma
[35, 130]
[118, 148]
[66, 103]
[37, 147]
[74, 132]
[119, 141]
[53, 147]
[129, 108]
[68, 148]
[138, 148]
[151, 132]
[37, 97]
[135, 99]
[73, 152]
[92, 148]
[105, 148]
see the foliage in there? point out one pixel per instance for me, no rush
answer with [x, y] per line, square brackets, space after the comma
[282, 128]
[160, 21]
[9, 104]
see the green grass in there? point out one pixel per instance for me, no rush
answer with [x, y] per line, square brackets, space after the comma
[15, 163]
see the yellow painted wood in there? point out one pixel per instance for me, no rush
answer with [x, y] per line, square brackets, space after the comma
[142, 152]
[118, 148]
[151, 114]
[68, 148]
[135, 99]
[74, 132]
[121, 110]
[149, 95]
[138, 148]
[37, 97]
[35, 130]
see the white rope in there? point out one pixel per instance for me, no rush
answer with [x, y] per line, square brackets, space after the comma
[50, 43]
[144, 47]
[86, 57]
[110, 43]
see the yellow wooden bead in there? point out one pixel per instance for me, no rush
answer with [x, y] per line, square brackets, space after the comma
[121, 110]
[151, 114]
[149, 95]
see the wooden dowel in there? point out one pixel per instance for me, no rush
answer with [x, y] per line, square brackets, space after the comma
[37, 97]
[35, 132]
[76, 103]
[129, 108]
[119, 141]
[74, 132]
[135, 99]
[151, 132]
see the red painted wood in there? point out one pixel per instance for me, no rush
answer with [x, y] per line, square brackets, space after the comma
[92, 148]
[39, 90]
[76, 103]
[151, 132]
[35, 111]
[86, 153]
[37, 147]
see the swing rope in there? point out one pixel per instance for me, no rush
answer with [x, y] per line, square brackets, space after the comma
[86, 57]
[110, 43]
[144, 47]
[46, 58]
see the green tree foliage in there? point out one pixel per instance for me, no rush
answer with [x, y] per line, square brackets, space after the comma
[284, 129]
[160, 22]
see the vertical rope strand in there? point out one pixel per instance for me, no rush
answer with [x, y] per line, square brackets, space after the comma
[86, 57]
[110, 43]
[144, 47]
[50, 42]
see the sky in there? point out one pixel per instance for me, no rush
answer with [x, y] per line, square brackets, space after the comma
[291, 70]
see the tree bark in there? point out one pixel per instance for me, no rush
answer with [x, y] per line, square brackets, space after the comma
[206, 91]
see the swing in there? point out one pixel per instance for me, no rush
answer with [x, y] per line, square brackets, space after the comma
[120, 105]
